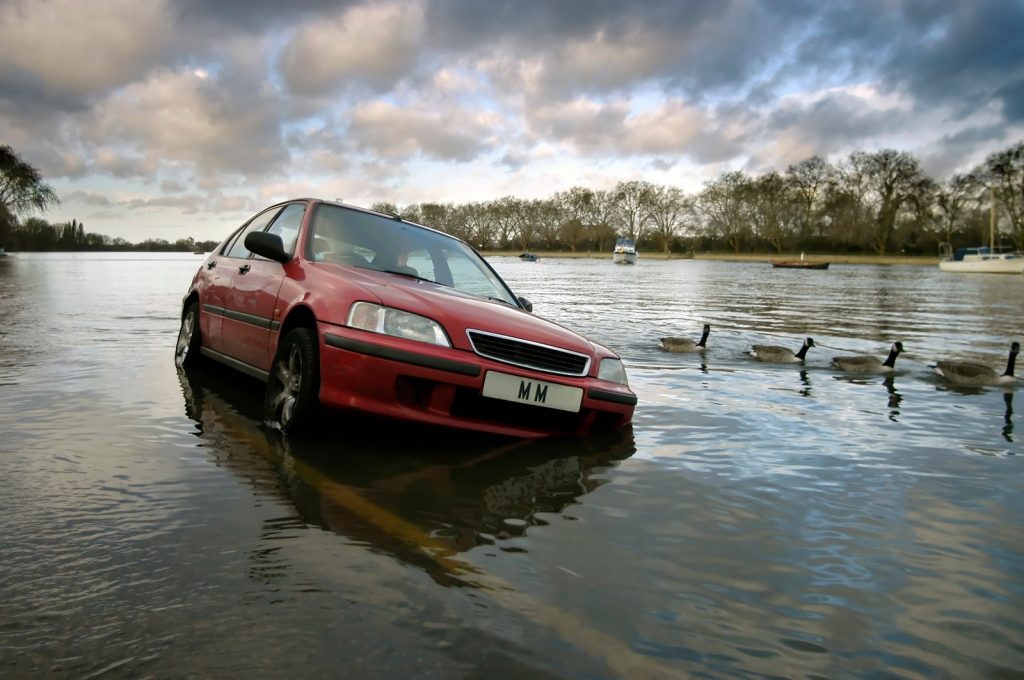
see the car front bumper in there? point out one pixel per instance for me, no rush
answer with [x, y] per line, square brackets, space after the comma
[440, 386]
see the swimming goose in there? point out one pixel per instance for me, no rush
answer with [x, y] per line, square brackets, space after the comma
[781, 355]
[970, 373]
[861, 363]
[686, 344]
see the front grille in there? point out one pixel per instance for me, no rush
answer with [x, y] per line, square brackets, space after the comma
[529, 354]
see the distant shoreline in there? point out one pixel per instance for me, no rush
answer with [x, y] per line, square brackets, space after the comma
[923, 260]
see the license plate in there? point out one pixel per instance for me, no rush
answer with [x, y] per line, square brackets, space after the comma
[533, 392]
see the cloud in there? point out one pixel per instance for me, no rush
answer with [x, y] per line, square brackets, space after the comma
[79, 49]
[393, 131]
[673, 127]
[969, 54]
[374, 45]
[88, 198]
[182, 118]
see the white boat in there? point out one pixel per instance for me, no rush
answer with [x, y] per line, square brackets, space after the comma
[982, 260]
[625, 251]
[988, 259]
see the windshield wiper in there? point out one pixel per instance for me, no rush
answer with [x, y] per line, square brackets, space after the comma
[409, 274]
[502, 300]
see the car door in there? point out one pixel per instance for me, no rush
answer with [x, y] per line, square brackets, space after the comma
[233, 258]
[251, 314]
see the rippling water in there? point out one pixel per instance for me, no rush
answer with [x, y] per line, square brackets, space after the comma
[756, 520]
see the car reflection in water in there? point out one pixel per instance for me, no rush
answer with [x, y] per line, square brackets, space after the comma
[420, 497]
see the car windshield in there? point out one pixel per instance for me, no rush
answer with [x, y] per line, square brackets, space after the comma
[346, 236]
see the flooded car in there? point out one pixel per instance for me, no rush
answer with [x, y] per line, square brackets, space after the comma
[339, 307]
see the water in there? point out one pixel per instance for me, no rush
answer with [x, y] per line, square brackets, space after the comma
[755, 520]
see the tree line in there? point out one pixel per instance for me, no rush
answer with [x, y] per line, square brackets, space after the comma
[878, 203]
[881, 202]
[38, 235]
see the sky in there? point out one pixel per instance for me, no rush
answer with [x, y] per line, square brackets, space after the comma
[177, 118]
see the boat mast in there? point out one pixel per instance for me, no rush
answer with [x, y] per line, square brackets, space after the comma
[992, 222]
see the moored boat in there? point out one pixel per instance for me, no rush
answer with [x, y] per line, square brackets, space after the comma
[982, 260]
[798, 264]
[990, 259]
[528, 257]
[625, 251]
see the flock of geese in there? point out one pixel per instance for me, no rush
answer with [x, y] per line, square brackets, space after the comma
[954, 372]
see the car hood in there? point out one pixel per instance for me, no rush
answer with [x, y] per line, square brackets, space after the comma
[458, 311]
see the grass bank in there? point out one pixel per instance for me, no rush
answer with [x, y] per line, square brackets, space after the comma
[930, 261]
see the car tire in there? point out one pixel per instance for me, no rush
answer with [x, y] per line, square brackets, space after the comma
[294, 383]
[186, 350]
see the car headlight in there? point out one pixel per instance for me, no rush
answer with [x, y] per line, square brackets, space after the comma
[368, 316]
[612, 370]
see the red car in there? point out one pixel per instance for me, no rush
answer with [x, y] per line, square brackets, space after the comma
[342, 307]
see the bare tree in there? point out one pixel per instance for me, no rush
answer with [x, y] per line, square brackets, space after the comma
[503, 215]
[892, 180]
[602, 231]
[725, 209]
[772, 209]
[384, 207]
[667, 214]
[952, 200]
[1004, 172]
[633, 205]
[577, 208]
[809, 180]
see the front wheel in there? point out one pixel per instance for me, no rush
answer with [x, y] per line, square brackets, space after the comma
[186, 351]
[294, 382]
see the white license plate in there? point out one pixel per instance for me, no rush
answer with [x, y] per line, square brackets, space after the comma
[533, 392]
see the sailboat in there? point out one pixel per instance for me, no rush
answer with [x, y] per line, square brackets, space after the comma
[983, 259]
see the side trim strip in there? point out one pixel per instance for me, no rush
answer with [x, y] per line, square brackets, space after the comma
[614, 397]
[248, 369]
[402, 355]
[252, 319]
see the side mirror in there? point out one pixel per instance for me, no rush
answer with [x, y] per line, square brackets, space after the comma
[267, 245]
[525, 304]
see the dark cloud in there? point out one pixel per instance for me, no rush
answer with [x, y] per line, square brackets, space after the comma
[835, 121]
[962, 54]
[253, 15]
[963, 151]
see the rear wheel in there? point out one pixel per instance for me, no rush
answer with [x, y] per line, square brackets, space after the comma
[294, 382]
[186, 351]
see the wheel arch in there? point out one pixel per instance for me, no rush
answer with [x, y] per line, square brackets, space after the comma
[300, 316]
[189, 299]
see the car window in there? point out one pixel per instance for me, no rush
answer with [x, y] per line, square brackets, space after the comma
[470, 276]
[258, 223]
[339, 236]
[287, 226]
[420, 263]
[360, 239]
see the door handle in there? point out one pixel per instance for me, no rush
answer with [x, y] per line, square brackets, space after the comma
[243, 269]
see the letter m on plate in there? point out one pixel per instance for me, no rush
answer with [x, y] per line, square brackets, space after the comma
[524, 390]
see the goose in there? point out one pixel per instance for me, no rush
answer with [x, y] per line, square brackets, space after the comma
[970, 373]
[862, 363]
[781, 355]
[686, 344]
